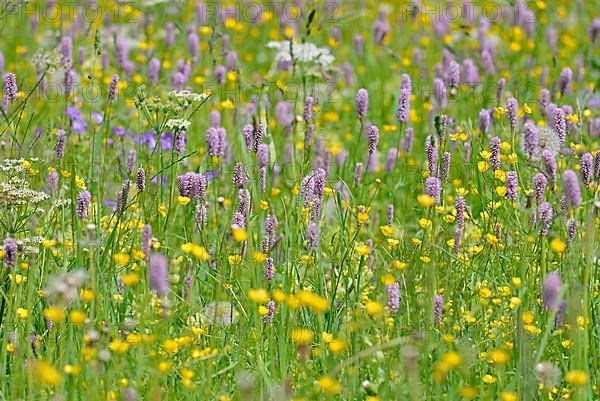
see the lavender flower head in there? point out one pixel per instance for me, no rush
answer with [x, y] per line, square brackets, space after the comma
[433, 187]
[549, 162]
[560, 315]
[214, 143]
[270, 225]
[440, 92]
[393, 291]
[312, 236]
[193, 45]
[453, 74]
[258, 137]
[69, 81]
[438, 304]
[571, 188]
[308, 109]
[362, 103]
[586, 167]
[112, 91]
[158, 269]
[358, 173]
[530, 140]
[52, 181]
[446, 159]
[373, 138]
[403, 111]
[83, 203]
[269, 272]
[237, 178]
[495, 153]
[248, 132]
[545, 214]
[409, 139]
[10, 86]
[153, 70]
[146, 238]
[431, 151]
[572, 229]
[268, 318]
[66, 50]
[560, 125]
[565, 80]
[263, 155]
[544, 99]
[123, 196]
[594, 29]
[220, 73]
[390, 161]
[390, 214]
[597, 167]
[10, 253]
[485, 121]
[141, 179]
[511, 185]
[512, 112]
[60, 143]
[459, 205]
[551, 290]
[539, 187]
[406, 84]
[131, 158]
[500, 90]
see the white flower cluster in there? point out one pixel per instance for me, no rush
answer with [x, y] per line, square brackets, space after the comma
[64, 288]
[12, 166]
[306, 53]
[152, 3]
[62, 203]
[16, 192]
[187, 97]
[30, 245]
[178, 125]
[547, 140]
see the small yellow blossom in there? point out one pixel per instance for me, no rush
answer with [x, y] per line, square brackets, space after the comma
[302, 336]
[329, 385]
[577, 378]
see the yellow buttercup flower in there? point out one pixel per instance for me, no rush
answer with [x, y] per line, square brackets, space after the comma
[77, 317]
[47, 374]
[386, 230]
[374, 308]
[131, 279]
[577, 378]
[302, 336]
[121, 259]
[363, 250]
[239, 234]
[508, 396]
[498, 357]
[55, 314]
[425, 200]
[258, 296]
[183, 200]
[557, 245]
[337, 346]
[22, 313]
[329, 385]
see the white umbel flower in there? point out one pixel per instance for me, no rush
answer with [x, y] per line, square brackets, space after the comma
[305, 53]
[178, 125]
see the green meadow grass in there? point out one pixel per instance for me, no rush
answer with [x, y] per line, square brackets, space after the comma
[80, 316]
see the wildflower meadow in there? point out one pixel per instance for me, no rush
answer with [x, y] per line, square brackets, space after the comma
[300, 200]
